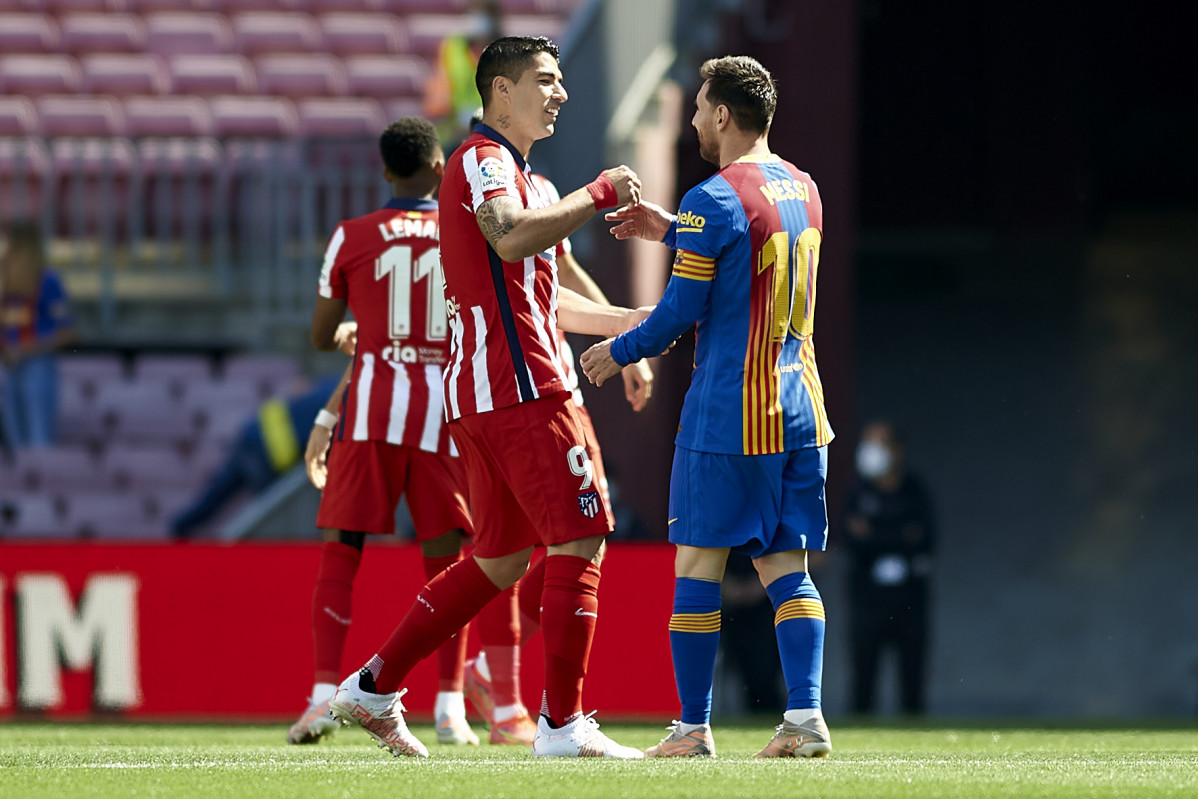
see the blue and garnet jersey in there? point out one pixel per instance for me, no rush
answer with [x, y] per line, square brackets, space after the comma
[747, 242]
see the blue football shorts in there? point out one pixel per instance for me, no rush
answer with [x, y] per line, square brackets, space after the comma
[755, 504]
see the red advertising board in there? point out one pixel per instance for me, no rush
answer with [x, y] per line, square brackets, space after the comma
[203, 631]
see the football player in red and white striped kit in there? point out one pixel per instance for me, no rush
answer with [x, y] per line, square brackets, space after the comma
[495, 697]
[530, 478]
[390, 438]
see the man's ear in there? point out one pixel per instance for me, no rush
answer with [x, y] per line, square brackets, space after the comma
[722, 116]
[387, 174]
[501, 88]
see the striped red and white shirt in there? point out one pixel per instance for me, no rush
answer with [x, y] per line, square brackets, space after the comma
[503, 316]
[387, 267]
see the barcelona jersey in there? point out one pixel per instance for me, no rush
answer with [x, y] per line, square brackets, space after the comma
[747, 242]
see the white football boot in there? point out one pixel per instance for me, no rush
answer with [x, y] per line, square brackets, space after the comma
[381, 715]
[579, 738]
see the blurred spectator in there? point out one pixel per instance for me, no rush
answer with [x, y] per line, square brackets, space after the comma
[890, 541]
[35, 321]
[747, 640]
[270, 443]
[450, 96]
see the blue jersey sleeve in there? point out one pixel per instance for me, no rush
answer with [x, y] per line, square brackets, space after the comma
[702, 229]
[53, 309]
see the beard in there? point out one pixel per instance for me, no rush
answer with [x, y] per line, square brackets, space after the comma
[708, 151]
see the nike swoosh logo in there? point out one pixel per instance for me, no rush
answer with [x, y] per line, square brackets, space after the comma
[581, 612]
[337, 618]
[671, 521]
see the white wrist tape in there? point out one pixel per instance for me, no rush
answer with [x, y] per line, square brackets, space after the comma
[326, 419]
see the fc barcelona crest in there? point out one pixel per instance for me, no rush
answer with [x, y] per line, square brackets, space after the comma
[589, 504]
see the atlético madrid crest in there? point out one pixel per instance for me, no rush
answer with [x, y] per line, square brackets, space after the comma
[589, 504]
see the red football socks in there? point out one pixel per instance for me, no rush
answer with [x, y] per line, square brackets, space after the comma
[451, 654]
[569, 612]
[332, 606]
[442, 607]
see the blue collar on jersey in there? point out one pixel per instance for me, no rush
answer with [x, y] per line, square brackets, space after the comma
[411, 204]
[493, 134]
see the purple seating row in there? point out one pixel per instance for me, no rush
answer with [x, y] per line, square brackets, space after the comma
[225, 116]
[102, 515]
[363, 74]
[247, 32]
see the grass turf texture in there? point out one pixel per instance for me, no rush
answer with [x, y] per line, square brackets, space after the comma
[1008, 760]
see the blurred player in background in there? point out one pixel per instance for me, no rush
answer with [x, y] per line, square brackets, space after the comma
[751, 451]
[500, 702]
[530, 478]
[389, 438]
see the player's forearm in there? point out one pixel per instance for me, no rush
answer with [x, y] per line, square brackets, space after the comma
[680, 306]
[334, 403]
[577, 314]
[516, 233]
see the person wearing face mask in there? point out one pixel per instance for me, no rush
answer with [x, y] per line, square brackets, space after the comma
[890, 544]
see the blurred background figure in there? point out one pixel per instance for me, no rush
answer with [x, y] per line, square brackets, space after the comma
[269, 443]
[35, 322]
[450, 96]
[890, 538]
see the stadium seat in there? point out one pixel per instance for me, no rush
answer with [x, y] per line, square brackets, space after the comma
[354, 6]
[28, 33]
[534, 25]
[363, 34]
[177, 371]
[35, 75]
[143, 410]
[146, 467]
[123, 74]
[112, 516]
[343, 117]
[425, 32]
[257, 32]
[18, 116]
[102, 33]
[167, 116]
[237, 6]
[220, 408]
[171, 33]
[213, 75]
[301, 75]
[34, 516]
[269, 374]
[80, 116]
[386, 76]
[405, 7]
[78, 422]
[54, 470]
[401, 107]
[90, 369]
[253, 116]
[96, 6]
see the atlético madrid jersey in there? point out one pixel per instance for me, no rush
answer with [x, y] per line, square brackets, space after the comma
[387, 267]
[747, 243]
[502, 316]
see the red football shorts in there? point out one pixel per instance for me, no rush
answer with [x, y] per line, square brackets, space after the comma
[531, 480]
[367, 479]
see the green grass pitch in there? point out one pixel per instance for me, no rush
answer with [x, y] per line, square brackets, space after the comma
[972, 760]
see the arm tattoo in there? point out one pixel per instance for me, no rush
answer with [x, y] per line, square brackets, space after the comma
[495, 218]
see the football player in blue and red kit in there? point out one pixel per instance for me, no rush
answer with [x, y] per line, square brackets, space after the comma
[751, 450]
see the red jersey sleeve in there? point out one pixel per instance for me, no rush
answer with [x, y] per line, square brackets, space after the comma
[332, 275]
[490, 172]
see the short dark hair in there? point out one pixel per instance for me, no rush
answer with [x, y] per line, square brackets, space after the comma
[509, 57]
[407, 145]
[745, 87]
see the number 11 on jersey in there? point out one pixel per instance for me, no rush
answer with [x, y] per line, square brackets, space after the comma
[396, 263]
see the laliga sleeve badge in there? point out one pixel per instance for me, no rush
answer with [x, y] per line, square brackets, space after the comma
[491, 174]
[589, 504]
